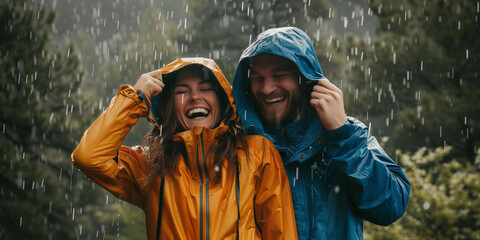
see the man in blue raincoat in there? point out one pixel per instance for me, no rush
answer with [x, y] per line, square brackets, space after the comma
[339, 174]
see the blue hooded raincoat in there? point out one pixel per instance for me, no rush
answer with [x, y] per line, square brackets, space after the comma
[338, 178]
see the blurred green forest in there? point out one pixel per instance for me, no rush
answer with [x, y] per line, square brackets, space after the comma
[408, 70]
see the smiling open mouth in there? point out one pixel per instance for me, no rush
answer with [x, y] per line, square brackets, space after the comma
[197, 113]
[273, 101]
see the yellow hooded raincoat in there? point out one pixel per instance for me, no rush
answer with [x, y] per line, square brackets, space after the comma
[192, 207]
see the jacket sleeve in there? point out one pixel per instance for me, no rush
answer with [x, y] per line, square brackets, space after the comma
[99, 154]
[273, 202]
[378, 186]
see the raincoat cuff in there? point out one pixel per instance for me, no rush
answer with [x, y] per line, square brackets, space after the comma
[138, 96]
[343, 132]
[143, 97]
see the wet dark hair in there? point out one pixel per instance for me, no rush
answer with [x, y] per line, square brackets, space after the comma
[162, 153]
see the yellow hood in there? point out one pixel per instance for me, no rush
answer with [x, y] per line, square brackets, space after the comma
[210, 67]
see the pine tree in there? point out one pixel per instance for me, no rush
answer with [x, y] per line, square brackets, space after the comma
[41, 117]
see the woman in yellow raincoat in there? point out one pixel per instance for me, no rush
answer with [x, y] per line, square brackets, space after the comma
[197, 175]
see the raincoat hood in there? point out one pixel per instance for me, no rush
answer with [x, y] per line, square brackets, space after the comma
[288, 42]
[211, 72]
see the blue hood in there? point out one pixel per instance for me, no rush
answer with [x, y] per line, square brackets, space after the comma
[288, 42]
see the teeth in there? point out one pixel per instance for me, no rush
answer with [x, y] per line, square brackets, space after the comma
[274, 100]
[197, 112]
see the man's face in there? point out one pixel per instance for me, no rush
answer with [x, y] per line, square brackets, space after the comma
[275, 86]
[195, 101]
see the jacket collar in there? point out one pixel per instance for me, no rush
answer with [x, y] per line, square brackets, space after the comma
[197, 141]
[194, 134]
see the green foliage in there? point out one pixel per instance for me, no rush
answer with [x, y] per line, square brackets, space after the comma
[444, 201]
[125, 220]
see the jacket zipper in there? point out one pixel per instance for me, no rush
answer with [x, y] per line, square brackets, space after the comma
[202, 183]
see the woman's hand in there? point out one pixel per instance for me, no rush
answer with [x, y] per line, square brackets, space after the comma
[150, 83]
[327, 100]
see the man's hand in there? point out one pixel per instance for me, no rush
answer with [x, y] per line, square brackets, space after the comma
[327, 100]
[150, 83]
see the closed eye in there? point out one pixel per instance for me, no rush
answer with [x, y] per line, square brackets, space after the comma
[181, 90]
[280, 75]
[256, 78]
[206, 86]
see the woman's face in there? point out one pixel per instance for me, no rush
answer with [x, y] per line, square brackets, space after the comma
[195, 101]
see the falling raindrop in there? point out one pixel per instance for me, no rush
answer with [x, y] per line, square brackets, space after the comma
[337, 189]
